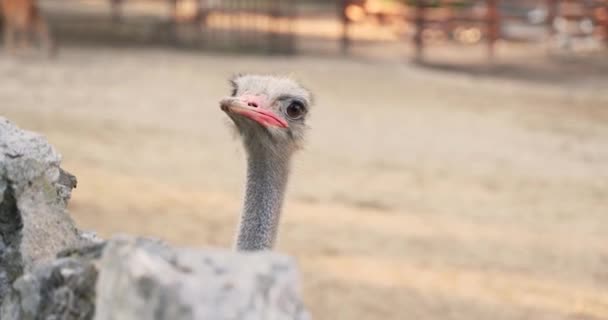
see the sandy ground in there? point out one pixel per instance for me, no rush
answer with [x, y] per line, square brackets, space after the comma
[420, 195]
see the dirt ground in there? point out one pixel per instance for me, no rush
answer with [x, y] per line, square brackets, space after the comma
[421, 194]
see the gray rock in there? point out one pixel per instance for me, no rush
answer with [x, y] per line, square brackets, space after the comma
[138, 278]
[61, 289]
[49, 270]
[34, 225]
[147, 280]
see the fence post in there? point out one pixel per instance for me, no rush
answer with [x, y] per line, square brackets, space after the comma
[345, 41]
[290, 11]
[605, 22]
[202, 11]
[172, 22]
[493, 25]
[419, 21]
[173, 10]
[551, 14]
[116, 10]
[273, 34]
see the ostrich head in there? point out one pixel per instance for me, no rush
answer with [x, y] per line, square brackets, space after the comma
[270, 115]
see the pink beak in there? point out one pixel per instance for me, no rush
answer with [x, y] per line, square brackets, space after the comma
[262, 116]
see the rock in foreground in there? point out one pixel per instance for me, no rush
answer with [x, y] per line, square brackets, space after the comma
[50, 270]
[34, 224]
[140, 279]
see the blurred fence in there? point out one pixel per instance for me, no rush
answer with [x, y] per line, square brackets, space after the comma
[262, 25]
[293, 26]
[561, 22]
[236, 25]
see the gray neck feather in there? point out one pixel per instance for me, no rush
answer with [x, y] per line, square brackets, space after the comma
[267, 174]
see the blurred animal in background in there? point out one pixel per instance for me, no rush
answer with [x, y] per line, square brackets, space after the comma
[270, 116]
[23, 22]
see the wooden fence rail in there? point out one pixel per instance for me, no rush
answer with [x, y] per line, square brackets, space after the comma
[421, 17]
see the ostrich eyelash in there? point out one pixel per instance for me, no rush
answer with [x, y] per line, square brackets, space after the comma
[234, 88]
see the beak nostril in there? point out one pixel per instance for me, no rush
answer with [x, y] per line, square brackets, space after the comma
[252, 104]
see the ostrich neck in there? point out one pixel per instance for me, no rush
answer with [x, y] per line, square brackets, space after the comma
[267, 176]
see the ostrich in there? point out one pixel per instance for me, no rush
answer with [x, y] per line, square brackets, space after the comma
[269, 114]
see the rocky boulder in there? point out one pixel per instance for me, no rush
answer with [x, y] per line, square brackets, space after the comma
[50, 270]
[34, 190]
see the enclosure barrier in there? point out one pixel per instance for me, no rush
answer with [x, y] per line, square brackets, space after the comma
[589, 18]
[258, 25]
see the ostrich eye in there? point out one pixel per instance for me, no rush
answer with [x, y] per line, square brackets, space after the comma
[295, 110]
